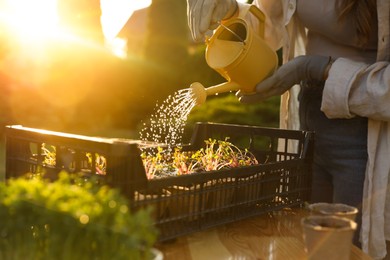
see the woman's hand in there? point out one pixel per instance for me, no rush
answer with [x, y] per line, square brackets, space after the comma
[293, 72]
[204, 15]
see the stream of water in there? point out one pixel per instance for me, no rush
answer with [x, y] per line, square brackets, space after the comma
[166, 124]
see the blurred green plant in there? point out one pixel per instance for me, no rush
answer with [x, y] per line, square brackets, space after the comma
[225, 108]
[167, 35]
[70, 218]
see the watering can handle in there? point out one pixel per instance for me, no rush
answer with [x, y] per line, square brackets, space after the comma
[257, 13]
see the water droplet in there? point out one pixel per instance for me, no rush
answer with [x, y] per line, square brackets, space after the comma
[112, 204]
[84, 219]
[168, 120]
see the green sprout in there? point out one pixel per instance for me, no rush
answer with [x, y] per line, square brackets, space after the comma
[216, 155]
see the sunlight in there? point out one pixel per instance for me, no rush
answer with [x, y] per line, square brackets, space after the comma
[38, 20]
[117, 12]
[32, 20]
[33, 24]
[118, 47]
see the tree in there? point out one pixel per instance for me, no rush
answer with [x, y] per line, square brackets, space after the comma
[82, 18]
[168, 36]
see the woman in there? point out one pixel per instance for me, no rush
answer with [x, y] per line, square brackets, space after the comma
[339, 52]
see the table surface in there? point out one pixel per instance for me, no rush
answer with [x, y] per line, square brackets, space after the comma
[275, 235]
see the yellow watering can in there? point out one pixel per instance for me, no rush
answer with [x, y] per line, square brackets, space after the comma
[240, 55]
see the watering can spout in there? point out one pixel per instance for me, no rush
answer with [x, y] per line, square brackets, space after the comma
[200, 93]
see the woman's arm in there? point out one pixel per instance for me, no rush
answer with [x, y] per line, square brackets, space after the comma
[274, 21]
[355, 88]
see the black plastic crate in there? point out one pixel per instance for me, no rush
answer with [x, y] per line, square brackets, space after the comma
[187, 203]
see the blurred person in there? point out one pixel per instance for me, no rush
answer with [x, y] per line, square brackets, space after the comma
[338, 51]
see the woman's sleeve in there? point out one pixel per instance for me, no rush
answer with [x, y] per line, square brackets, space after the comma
[274, 27]
[355, 88]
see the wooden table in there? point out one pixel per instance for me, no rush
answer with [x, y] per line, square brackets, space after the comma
[276, 235]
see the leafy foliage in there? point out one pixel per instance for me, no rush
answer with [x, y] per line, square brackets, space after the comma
[71, 218]
[167, 35]
[227, 109]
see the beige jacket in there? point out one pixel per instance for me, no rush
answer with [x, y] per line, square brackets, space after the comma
[352, 88]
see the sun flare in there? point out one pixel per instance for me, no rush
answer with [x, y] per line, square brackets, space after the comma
[30, 20]
[117, 12]
[37, 23]
[39, 19]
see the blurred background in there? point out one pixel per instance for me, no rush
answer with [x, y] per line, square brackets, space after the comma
[99, 67]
